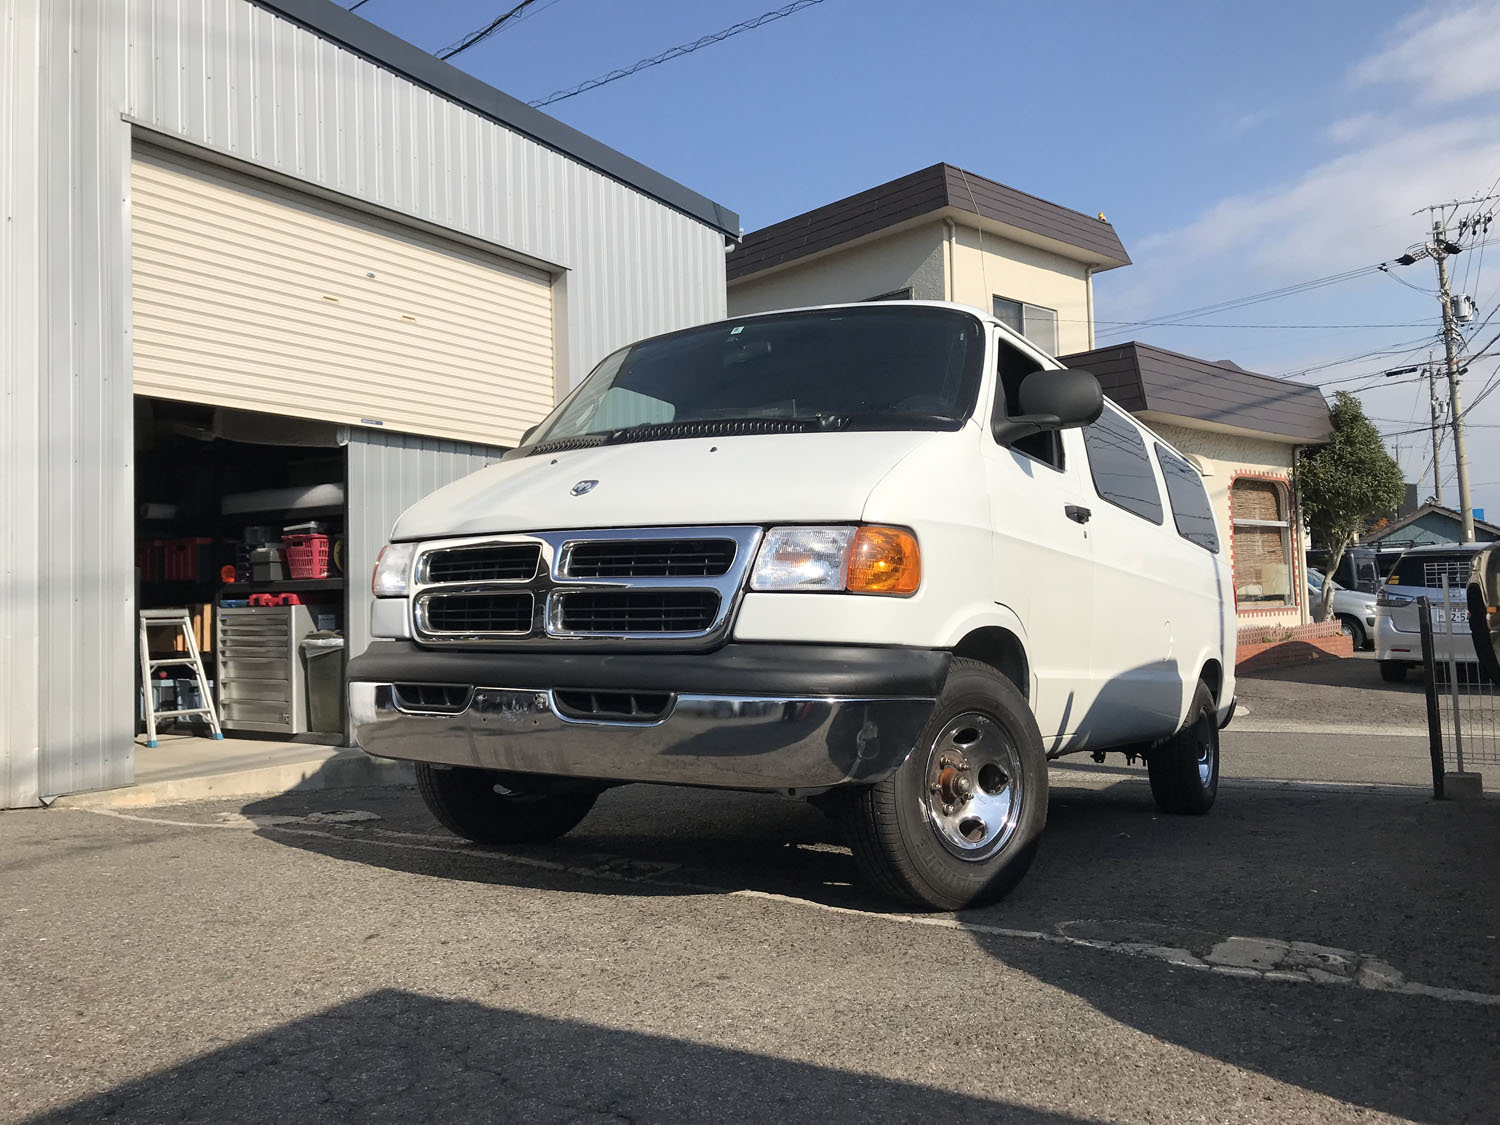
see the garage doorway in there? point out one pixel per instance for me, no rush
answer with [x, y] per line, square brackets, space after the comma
[241, 523]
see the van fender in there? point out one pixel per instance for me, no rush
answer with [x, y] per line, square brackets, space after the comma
[1192, 673]
[971, 619]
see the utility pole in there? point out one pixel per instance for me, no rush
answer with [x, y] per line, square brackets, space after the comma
[1437, 432]
[1441, 249]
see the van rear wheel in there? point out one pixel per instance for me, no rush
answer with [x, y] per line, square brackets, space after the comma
[958, 823]
[1184, 769]
[490, 807]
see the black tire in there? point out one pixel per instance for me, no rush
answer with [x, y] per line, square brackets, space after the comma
[894, 827]
[1184, 769]
[489, 807]
[1354, 629]
[1392, 671]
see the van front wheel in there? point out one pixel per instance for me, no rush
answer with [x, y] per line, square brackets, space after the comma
[958, 823]
[490, 807]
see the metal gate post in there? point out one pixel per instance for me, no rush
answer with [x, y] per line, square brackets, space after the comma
[1434, 719]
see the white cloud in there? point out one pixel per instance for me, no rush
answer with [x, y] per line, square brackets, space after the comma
[1351, 210]
[1443, 52]
[1252, 120]
[1347, 130]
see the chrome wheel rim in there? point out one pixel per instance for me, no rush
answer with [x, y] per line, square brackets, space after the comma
[1206, 747]
[973, 788]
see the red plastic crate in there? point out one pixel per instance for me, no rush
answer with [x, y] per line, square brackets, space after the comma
[182, 558]
[306, 555]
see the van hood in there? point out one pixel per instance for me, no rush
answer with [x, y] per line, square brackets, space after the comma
[767, 478]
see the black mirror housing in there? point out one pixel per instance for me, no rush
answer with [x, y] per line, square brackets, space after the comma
[1053, 400]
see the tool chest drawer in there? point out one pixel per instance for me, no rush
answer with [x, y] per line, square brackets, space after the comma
[261, 679]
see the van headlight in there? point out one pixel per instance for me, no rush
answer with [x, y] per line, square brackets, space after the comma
[392, 577]
[860, 559]
[1392, 601]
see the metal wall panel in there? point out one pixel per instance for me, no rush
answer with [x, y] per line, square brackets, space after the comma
[242, 81]
[387, 474]
[66, 535]
[231, 78]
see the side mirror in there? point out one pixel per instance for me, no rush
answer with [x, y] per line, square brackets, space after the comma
[1483, 593]
[1052, 400]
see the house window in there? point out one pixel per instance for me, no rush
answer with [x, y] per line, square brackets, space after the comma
[1262, 544]
[1037, 324]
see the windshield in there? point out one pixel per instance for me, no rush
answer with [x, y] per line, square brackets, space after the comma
[881, 367]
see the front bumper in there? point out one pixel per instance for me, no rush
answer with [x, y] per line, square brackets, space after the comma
[742, 717]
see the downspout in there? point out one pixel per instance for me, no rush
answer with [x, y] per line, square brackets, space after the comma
[1299, 557]
[1088, 297]
[950, 247]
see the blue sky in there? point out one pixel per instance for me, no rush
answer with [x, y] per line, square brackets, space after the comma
[1236, 148]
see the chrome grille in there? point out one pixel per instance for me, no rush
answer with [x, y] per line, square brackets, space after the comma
[510, 612]
[649, 558]
[493, 562]
[653, 611]
[676, 587]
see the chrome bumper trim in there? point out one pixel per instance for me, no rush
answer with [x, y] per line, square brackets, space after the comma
[723, 741]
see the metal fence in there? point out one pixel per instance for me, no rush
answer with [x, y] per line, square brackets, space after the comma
[1463, 706]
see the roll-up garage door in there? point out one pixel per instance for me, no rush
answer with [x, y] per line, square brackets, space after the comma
[251, 296]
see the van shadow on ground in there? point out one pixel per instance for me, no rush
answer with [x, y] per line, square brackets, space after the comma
[397, 1056]
[1399, 877]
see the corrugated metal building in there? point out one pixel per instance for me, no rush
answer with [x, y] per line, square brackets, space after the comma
[275, 206]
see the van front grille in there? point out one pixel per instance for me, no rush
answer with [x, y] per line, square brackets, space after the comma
[650, 558]
[494, 562]
[509, 612]
[667, 588]
[653, 611]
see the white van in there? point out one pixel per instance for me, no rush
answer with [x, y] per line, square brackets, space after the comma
[886, 556]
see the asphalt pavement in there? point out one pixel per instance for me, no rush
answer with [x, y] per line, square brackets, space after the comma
[1309, 951]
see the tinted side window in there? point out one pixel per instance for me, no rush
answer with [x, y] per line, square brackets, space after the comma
[1191, 511]
[1014, 366]
[1121, 467]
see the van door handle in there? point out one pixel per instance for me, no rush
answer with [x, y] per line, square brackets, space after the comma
[1078, 513]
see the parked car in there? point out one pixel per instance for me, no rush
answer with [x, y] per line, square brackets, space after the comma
[886, 556]
[1353, 609]
[1419, 573]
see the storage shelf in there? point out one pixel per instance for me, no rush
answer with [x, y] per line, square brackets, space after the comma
[285, 586]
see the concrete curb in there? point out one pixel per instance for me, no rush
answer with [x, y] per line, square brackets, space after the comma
[325, 769]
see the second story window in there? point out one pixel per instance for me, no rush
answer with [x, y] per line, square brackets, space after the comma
[1036, 323]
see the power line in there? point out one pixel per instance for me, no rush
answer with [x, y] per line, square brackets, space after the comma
[482, 33]
[1240, 302]
[358, 4]
[676, 52]
[1207, 324]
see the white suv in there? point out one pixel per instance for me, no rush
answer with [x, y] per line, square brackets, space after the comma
[886, 556]
[1419, 573]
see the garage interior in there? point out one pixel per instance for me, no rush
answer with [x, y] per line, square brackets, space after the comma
[241, 523]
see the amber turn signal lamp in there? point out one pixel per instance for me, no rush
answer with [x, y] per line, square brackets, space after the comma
[883, 560]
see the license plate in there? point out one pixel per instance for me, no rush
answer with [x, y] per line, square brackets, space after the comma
[1456, 616]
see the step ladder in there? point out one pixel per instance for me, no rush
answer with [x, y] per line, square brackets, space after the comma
[177, 620]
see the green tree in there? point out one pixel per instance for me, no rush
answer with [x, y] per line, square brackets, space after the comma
[1345, 483]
